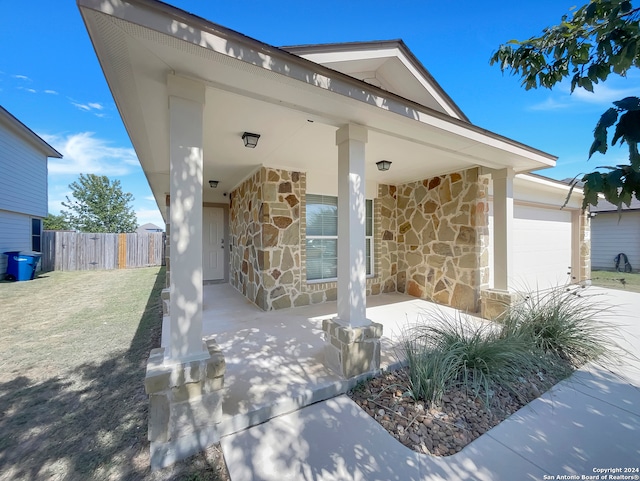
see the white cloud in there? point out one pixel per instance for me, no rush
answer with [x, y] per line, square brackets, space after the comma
[32, 91]
[22, 77]
[84, 107]
[95, 105]
[150, 197]
[550, 104]
[602, 94]
[151, 216]
[84, 153]
[51, 92]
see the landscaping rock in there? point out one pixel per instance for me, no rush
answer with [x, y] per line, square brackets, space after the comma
[439, 430]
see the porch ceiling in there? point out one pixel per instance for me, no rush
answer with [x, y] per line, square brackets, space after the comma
[295, 105]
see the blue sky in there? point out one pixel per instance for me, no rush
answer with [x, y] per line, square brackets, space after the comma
[51, 80]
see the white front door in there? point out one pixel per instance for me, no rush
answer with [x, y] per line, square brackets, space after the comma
[213, 243]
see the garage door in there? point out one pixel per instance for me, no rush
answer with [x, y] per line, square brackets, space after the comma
[541, 247]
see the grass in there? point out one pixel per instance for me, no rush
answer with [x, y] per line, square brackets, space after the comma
[616, 280]
[73, 350]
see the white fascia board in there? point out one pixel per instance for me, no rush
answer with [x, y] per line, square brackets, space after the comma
[546, 191]
[325, 58]
[426, 85]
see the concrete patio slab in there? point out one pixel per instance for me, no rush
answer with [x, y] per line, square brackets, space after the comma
[590, 421]
[275, 359]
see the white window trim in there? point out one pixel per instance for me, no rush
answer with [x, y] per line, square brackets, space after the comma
[371, 238]
[34, 235]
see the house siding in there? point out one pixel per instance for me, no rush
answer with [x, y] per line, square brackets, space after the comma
[23, 179]
[15, 235]
[612, 234]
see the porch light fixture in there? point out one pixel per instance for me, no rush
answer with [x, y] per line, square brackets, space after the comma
[214, 183]
[250, 140]
[383, 165]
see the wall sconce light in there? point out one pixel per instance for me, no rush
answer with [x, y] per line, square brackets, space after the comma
[214, 183]
[383, 165]
[250, 140]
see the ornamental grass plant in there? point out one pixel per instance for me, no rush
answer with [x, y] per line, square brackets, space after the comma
[543, 338]
[456, 353]
[563, 322]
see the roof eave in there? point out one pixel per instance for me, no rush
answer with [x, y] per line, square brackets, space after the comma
[34, 138]
[278, 53]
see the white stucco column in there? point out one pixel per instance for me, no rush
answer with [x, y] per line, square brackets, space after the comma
[186, 102]
[502, 228]
[352, 273]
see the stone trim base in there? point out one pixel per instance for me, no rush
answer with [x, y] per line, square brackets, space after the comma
[185, 404]
[494, 303]
[351, 351]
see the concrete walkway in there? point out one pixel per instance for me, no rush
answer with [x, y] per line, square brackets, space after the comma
[589, 422]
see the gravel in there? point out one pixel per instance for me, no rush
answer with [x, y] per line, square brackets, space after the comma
[445, 429]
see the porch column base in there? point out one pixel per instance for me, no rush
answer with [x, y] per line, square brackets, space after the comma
[351, 351]
[495, 302]
[165, 297]
[185, 405]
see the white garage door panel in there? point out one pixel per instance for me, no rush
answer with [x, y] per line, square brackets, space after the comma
[541, 247]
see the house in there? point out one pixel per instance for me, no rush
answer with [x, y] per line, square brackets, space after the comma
[23, 186]
[147, 228]
[614, 232]
[313, 173]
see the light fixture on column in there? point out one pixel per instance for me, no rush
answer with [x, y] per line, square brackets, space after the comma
[383, 165]
[214, 183]
[250, 140]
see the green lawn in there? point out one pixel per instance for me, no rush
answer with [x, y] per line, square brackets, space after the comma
[616, 280]
[73, 350]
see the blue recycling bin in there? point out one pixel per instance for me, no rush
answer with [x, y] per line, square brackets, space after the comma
[21, 266]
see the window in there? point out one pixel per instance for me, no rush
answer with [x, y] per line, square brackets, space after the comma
[322, 237]
[36, 235]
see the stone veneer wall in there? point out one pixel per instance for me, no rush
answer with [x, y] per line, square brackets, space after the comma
[440, 234]
[268, 239]
[265, 237]
[430, 240]
[584, 269]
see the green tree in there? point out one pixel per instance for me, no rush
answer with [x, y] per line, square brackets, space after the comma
[601, 38]
[99, 205]
[55, 222]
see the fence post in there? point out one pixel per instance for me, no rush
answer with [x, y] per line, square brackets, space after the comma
[122, 251]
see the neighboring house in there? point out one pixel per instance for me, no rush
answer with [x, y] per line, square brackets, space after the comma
[614, 232]
[23, 186]
[148, 228]
[313, 213]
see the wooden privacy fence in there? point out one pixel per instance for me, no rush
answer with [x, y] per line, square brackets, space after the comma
[76, 251]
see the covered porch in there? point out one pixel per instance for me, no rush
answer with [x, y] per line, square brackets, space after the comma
[275, 359]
